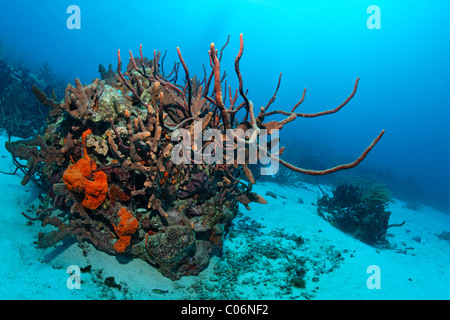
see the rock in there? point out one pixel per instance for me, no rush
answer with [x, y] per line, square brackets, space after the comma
[172, 249]
[247, 279]
[201, 224]
[271, 194]
[202, 256]
[210, 286]
[100, 146]
[417, 239]
[445, 235]
[214, 278]
[110, 104]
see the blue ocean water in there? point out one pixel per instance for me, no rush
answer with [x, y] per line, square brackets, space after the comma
[323, 45]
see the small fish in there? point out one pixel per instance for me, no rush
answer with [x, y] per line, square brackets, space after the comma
[159, 291]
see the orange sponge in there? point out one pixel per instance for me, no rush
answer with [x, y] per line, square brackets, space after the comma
[125, 229]
[77, 178]
[95, 192]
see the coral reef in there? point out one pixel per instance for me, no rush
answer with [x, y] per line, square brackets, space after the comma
[360, 210]
[20, 112]
[107, 161]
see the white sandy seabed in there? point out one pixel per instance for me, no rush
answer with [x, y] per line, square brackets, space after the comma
[258, 255]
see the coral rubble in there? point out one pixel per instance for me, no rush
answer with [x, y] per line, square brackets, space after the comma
[107, 161]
